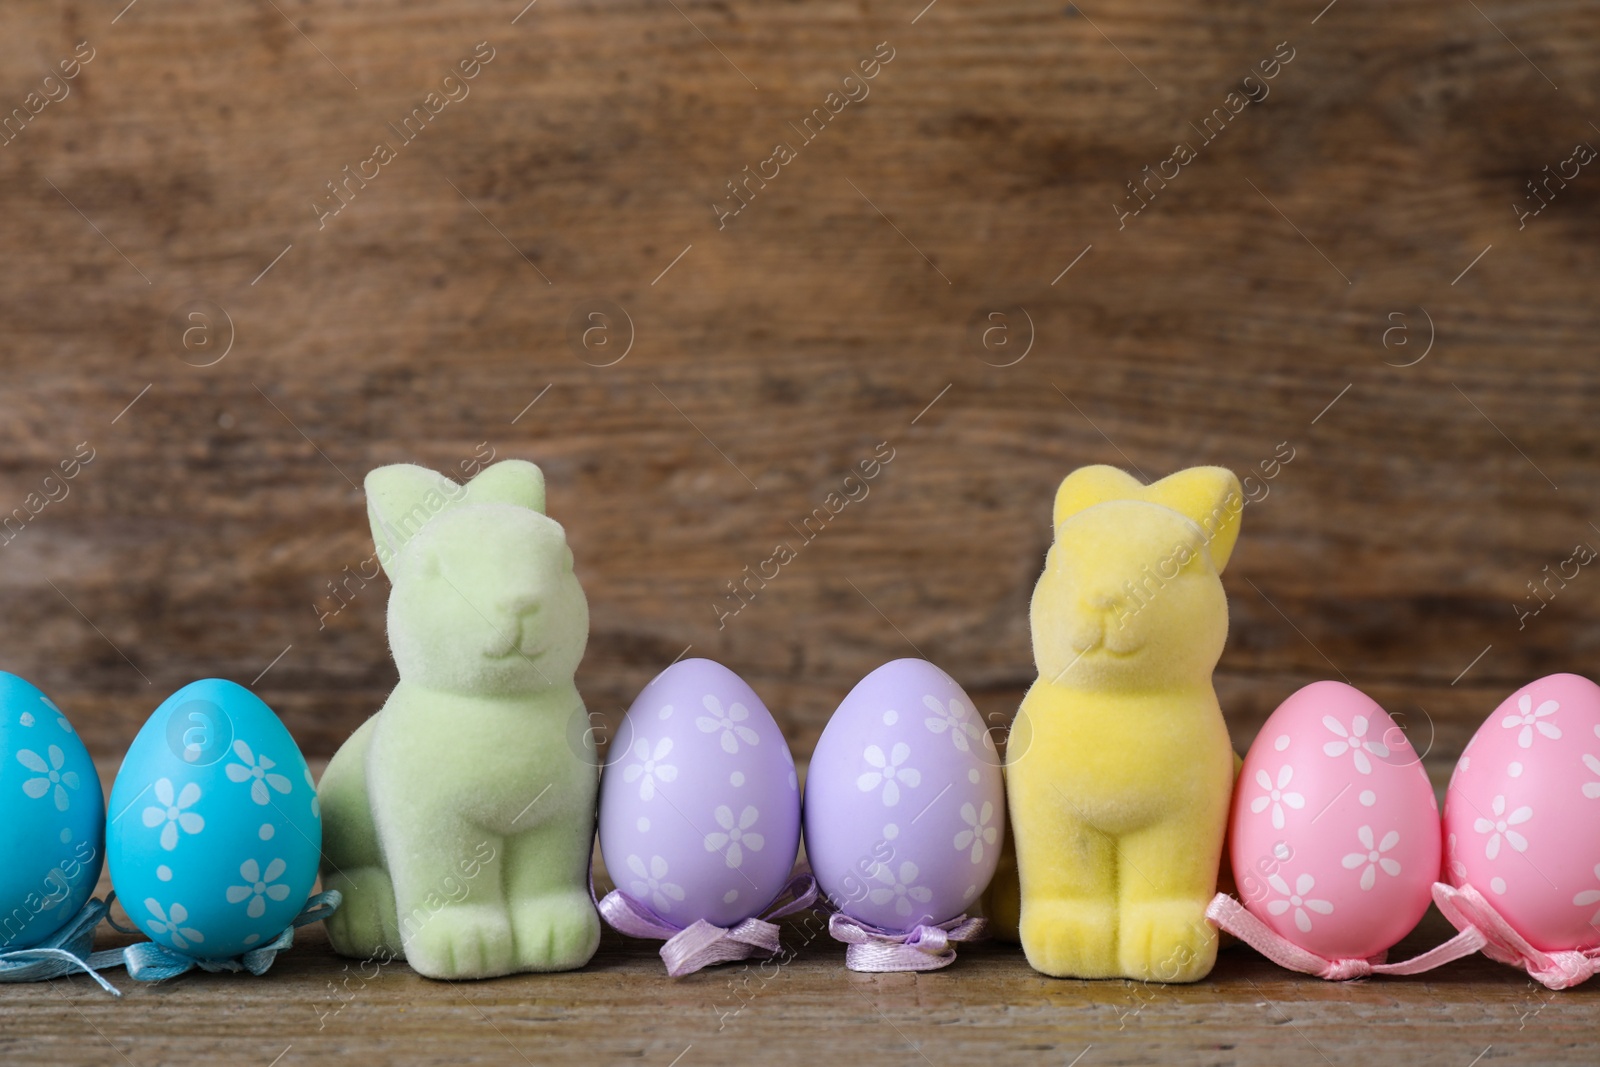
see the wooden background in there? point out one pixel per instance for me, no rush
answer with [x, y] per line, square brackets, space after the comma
[769, 357]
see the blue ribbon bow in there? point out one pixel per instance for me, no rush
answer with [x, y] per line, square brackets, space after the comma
[68, 950]
[62, 953]
[149, 962]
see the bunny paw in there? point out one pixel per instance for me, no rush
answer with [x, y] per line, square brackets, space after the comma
[364, 925]
[1167, 941]
[462, 941]
[556, 932]
[1071, 938]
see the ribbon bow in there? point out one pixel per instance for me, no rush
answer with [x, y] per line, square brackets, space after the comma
[1467, 910]
[62, 953]
[1233, 917]
[923, 948]
[701, 944]
[150, 962]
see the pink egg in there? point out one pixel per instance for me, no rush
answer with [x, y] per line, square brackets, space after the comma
[1335, 831]
[1522, 814]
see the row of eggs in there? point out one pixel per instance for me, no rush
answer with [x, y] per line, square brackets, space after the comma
[1335, 838]
[213, 834]
[701, 814]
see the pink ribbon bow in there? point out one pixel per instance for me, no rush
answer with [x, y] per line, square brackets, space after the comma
[1237, 920]
[701, 944]
[923, 948]
[1467, 910]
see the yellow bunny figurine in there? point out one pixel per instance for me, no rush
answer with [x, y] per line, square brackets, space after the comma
[1119, 769]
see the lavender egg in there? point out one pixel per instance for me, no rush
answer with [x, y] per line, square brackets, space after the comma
[905, 804]
[699, 804]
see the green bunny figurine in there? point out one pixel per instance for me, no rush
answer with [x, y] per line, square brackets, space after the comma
[459, 820]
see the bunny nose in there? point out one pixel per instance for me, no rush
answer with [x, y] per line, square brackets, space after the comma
[1087, 634]
[517, 607]
[1103, 602]
[513, 633]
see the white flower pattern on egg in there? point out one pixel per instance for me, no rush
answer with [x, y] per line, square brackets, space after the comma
[1372, 856]
[1591, 789]
[650, 768]
[1500, 827]
[1589, 897]
[952, 719]
[652, 882]
[1276, 795]
[1353, 740]
[902, 890]
[889, 772]
[257, 769]
[1297, 899]
[171, 815]
[735, 836]
[1531, 719]
[1457, 868]
[979, 832]
[259, 886]
[730, 723]
[170, 921]
[51, 776]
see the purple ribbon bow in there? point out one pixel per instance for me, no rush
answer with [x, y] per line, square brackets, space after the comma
[923, 948]
[701, 944]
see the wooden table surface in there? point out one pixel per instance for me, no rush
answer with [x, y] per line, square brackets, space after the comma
[988, 1007]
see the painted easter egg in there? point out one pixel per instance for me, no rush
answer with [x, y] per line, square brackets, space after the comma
[1522, 813]
[905, 803]
[699, 803]
[1335, 831]
[216, 830]
[52, 817]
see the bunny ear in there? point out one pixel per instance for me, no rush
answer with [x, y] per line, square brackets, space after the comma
[1212, 498]
[1088, 486]
[511, 481]
[1208, 495]
[400, 499]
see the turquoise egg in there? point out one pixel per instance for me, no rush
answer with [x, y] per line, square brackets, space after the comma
[52, 817]
[215, 827]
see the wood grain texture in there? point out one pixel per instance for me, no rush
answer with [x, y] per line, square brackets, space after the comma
[987, 1008]
[778, 351]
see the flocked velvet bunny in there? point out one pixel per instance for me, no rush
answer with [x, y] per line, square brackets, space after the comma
[459, 819]
[1119, 768]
